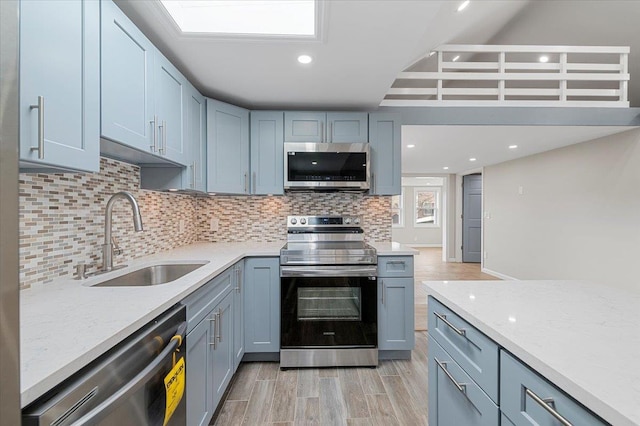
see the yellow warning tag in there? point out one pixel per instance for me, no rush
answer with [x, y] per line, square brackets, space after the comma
[174, 387]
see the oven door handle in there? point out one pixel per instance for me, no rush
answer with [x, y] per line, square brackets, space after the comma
[323, 271]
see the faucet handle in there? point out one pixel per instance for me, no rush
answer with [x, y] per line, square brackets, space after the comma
[116, 248]
[81, 271]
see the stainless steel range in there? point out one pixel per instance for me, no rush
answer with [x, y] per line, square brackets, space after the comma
[328, 284]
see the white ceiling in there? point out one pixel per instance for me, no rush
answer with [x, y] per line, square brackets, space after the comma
[452, 146]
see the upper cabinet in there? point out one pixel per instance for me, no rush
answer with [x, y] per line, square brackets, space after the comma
[227, 148]
[196, 139]
[142, 93]
[384, 138]
[60, 85]
[267, 152]
[325, 127]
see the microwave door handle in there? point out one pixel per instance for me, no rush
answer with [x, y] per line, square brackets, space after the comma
[105, 407]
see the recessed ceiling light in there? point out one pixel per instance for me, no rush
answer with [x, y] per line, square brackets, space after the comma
[472, 159]
[456, 58]
[513, 146]
[544, 59]
[305, 59]
[463, 5]
[411, 146]
[445, 168]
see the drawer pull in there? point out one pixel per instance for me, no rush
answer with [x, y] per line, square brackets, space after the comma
[462, 387]
[547, 404]
[460, 331]
[396, 262]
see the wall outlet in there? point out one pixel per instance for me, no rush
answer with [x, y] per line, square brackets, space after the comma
[485, 255]
[213, 226]
[181, 226]
[520, 190]
[487, 215]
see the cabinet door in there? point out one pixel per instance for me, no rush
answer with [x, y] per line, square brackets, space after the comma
[348, 127]
[59, 62]
[238, 315]
[196, 139]
[384, 138]
[227, 148]
[454, 398]
[305, 126]
[395, 314]
[170, 93]
[262, 305]
[127, 85]
[223, 352]
[199, 374]
[267, 152]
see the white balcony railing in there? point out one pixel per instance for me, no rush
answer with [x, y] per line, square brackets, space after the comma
[481, 75]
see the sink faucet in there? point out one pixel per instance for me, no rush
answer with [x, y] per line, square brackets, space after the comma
[108, 246]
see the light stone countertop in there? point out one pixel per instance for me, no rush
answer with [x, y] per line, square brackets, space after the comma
[584, 337]
[393, 249]
[66, 324]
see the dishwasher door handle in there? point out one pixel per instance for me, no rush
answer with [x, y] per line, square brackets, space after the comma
[104, 408]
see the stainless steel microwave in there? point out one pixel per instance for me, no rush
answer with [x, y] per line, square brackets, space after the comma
[326, 166]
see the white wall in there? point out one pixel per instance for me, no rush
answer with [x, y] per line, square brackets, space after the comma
[578, 216]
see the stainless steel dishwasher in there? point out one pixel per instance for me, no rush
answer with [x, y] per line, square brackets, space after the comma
[139, 382]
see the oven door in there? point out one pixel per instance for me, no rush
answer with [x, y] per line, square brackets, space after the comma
[328, 307]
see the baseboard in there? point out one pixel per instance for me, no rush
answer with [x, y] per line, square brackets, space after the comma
[499, 275]
[261, 357]
[452, 259]
[394, 354]
[424, 245]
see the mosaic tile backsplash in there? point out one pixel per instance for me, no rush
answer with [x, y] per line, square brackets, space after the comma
[62, 218]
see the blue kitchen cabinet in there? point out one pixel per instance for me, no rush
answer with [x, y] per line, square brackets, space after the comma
[143, 94]
[60, 85]
[454, 398]
[395, 314]
[262, 305]
[384, 138]
[128, 105]
[200, 406]
[196, 110]
[170, 94]
[347, 127]
[325, 127]
[238, 314]
[227, 148]
[223, 357]
[267, 152]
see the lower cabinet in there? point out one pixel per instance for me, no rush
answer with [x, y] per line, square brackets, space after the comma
[262, 304]
[199, 375]
[238, 314]
[396, 330]
[222, 355]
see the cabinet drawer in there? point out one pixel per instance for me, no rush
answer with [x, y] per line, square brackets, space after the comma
[395, 266]
[203, 300]
[454, 398]
[524, 395]
[472, 350]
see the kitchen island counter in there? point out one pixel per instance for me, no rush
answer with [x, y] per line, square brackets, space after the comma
[583, 337]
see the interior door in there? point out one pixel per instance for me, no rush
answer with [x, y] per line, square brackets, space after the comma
[472, 218]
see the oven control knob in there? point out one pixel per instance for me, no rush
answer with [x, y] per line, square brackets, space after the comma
[356, 221]
[303, 221]
[347, 220]
[294, 220]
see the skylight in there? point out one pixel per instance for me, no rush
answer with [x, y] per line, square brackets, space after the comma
[291, 18]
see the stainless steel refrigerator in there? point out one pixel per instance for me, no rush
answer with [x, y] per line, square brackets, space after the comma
[9, 263]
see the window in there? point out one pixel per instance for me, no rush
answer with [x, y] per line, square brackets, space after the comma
[427, 207]
[397, 210]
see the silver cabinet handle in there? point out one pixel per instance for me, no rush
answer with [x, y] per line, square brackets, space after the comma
[155, 133]
[246, 180]
[40, 107]
[160, 129]
[238, 280]
[193, 175]
[163, 140]
[396, 262]
[547, 404]
[219, 315]
[462, 387]
[460, 331]
[373, 182]
[215, 326]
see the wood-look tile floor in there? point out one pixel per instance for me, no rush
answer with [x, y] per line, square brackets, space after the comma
[428, 266]
[395, 393]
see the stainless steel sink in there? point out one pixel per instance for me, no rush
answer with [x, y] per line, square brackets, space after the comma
[151, 275]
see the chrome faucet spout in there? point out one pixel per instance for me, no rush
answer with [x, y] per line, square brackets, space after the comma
[107, 247]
